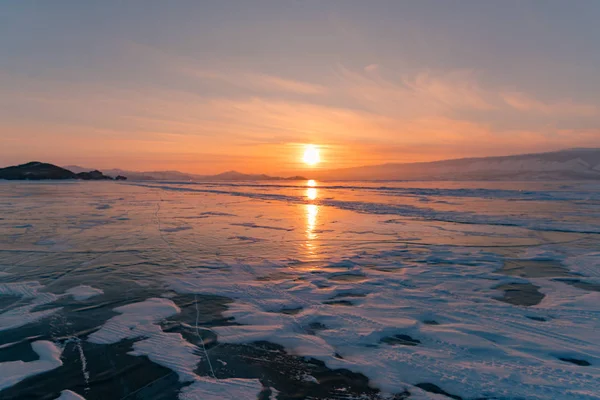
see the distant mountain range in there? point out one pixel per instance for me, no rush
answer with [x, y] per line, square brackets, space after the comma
[571, 164]
[181, 176]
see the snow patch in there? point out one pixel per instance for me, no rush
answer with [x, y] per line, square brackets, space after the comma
[171, 350]
[84, 292]
[22, 315]
[469, 343]
[140, 320]
[13, 372]
[586, 264]
[135, 320]
[69, 395]
[218, 389]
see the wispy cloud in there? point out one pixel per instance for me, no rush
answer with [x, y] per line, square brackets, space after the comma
[523, 102]
[426, 93]
[220, 72]
[255, 81]
[456, 89]
[363, 116]
[372, 67]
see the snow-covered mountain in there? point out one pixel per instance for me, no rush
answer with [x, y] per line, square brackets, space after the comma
[182, 176]
[571, 164]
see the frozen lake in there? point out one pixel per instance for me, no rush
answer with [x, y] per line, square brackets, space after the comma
[320, 290]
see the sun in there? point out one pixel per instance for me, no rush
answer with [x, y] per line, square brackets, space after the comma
[311, 155]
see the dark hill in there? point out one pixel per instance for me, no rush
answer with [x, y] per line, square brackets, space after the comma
[94, 175]
[36, 170]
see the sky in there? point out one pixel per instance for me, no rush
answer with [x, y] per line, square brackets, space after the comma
[208, 86]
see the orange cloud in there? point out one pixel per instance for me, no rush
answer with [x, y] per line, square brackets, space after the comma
[363, 117]
[523, 102]
[457, 89]
[414, 96]
[255, 81]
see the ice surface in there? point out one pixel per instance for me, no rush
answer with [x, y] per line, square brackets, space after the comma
[586, 264]
[12, 372]
[412, 210]
[398, 282]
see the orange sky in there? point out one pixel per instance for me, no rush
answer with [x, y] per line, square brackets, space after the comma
[209, 89]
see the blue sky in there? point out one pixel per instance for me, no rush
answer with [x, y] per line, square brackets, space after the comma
[208, 86]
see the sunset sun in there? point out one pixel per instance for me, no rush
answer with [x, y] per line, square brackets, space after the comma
[311, 155]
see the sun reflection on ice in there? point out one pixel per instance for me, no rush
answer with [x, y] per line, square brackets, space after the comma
[312, 212]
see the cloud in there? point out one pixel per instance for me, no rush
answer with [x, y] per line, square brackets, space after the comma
[523, 102]
[372, 67]
[363, 116]
[255, 81]
[288, 84]
[424, 94]
[456, 89]
[188, 67]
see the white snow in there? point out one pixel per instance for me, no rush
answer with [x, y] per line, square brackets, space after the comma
[136, 320]
[22, 315]
[13, 372]
[140, 320]
[171, 350]
[274, 394]
[22, 289]
[69, 395]
[218, 389]
[480, 347]
[587, 264]
[34, 296]
[84, 292]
